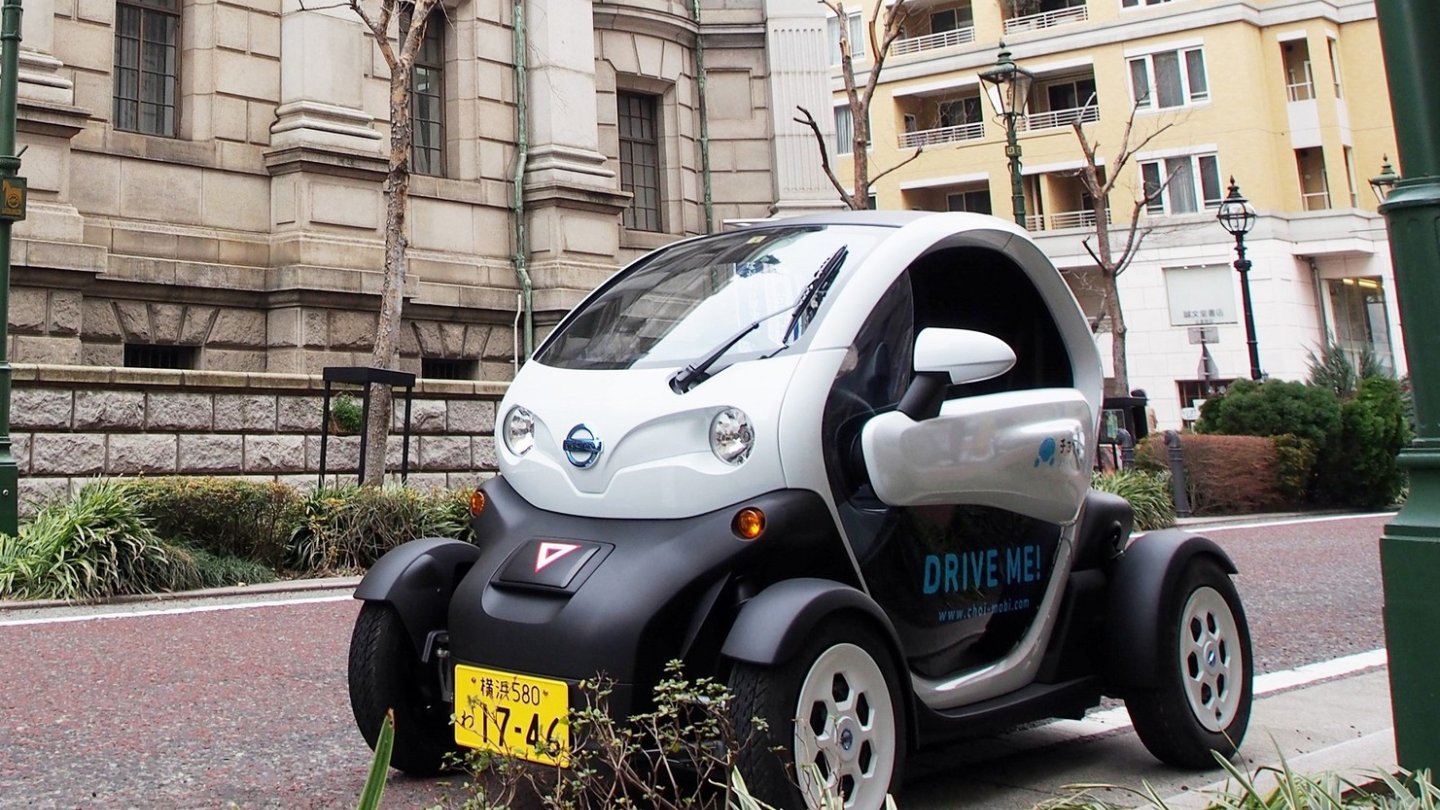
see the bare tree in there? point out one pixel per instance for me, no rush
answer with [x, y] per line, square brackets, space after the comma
[409, 18]
[1112, 257]
[858, 99]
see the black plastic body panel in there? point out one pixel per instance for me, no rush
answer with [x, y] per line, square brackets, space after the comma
[1037, 701]
[668, 589]
[1143, 581]
[418, 578]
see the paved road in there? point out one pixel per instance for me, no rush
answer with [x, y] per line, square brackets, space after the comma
[247, 705]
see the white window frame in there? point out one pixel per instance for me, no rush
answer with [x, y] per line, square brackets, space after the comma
[1145, 98]
[857, 38]
[844, 130]
[1164, 204]
[1141, 3]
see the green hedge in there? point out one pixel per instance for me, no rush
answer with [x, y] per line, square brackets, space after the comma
[130, 536]
[1148, 493]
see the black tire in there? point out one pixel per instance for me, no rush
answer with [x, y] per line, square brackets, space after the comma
[865, 705]
[386, 673]
[1203, 702]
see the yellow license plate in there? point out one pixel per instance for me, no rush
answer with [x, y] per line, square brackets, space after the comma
[514, 715]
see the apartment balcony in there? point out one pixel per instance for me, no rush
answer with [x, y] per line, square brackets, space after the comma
[933, 137]
[1047, 19]
[1062, 220]
[1061, 118]
[930, 42]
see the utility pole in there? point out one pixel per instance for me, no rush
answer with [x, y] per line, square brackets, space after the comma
[1410, 545]
[12, 208]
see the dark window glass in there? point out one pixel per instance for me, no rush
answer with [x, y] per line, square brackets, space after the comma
[427, 101]
[147, 39]
[640, 159]
[446, 368]
[140, 355]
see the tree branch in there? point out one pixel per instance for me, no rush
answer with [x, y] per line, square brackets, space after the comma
[809, 121]
[916, 154]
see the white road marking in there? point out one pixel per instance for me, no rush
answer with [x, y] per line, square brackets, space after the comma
[1104, 722]
[174, 611]
[1286, 522]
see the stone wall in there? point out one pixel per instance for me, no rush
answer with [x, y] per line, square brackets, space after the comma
[71, 424]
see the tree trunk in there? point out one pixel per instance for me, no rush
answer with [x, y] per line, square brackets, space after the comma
[392, 301]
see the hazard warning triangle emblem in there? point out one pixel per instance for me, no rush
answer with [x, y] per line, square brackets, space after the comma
[550, 552]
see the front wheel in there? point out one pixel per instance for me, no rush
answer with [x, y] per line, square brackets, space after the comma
[1202, 704]
[833, 723]
[386, 673]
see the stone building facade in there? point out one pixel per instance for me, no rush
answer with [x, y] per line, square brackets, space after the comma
[206, 175]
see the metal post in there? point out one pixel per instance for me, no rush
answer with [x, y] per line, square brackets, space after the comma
[1012, 151]
[1410, 545]
[9, 185]
[1242, 266]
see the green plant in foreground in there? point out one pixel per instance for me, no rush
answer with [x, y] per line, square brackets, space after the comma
[1291, 791]
[1148, 493]
[379, 765]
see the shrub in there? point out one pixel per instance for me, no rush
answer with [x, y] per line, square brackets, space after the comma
[1294, 466]
[1273, 408]
[1231, 474]
[346, 414]
[350, 527]
[229, 517]
[1148, 494]
[218, 571]
[1361, 468]
[93, 546]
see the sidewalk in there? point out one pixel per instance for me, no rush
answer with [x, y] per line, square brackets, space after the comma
[1339, 725]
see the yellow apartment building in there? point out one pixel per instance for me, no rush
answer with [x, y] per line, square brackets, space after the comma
[1287, 96]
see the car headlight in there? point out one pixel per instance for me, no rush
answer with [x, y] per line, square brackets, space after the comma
[519, 431]
[731, 436]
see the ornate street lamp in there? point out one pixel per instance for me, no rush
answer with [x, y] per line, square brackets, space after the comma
[1009, 96]
[1384, 182]
[1237, 216]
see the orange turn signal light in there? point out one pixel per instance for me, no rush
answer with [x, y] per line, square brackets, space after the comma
[749, 523]
[477, 503]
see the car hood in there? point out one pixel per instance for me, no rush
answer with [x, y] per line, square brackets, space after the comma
[654, 458]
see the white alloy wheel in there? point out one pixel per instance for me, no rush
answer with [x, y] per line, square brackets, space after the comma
[1211, 659]
[845, 730]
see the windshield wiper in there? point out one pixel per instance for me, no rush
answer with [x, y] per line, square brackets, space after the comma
[696, 373]
[815, 292]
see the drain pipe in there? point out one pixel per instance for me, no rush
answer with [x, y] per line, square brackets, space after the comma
[704, 119]
[517, 200]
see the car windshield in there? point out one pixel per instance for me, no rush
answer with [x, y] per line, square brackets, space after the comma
[685, 302]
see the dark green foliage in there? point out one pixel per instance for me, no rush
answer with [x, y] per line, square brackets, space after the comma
[1273, 408]
[219, 571]
[1360, 468]
[1294, 466]
[350, 527]
[1148, 493]
[93, 546]
[225, 516]
[346, 414]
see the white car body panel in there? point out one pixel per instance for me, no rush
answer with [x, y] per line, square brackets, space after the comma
[1021, 451]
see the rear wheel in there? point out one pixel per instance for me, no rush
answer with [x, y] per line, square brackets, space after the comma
[1203, 702]
[833, 721]
[386, 673]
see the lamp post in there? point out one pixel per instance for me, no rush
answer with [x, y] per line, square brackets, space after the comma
[12, 208]
[1237, 216]
[1384, 182]
[1009, 95]
[1410, 545]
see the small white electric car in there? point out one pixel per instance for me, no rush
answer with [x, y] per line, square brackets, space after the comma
[842, 462]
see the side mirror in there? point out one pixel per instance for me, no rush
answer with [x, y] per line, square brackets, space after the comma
[951, 357]
[965, 355]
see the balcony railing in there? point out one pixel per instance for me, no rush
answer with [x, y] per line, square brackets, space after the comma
[1047, 19]
[1300, 91]
[1061, 118]
[930, 137]
[1063, 219]
[930, 42]
[1316, 200]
